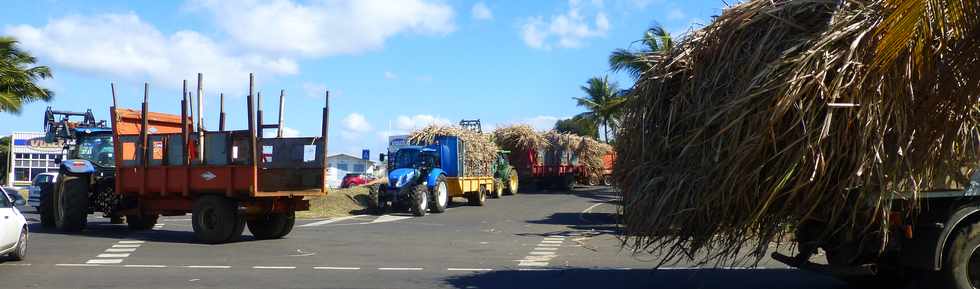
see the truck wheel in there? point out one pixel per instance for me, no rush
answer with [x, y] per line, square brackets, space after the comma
[961, 269]
[71, 202]
[478, 198]
[440, 195]
[607, 180]
[216, 219]
[567, 182]
[46, 209]
[498, 188]
[512, 183]
[141, 222]
[272, 226]
[420, 201]
[20, 252]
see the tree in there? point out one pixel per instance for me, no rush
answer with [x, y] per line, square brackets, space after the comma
[19, 76]
[604, 102]
[578, 125]
[656, 40]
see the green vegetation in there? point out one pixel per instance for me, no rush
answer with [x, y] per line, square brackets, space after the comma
[19, 77]
[604, 102]
[338, 203]
[656, 41]
[579, 126]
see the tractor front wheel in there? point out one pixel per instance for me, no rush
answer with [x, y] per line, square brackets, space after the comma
[512, 183]
[420, 200]
[440, 195]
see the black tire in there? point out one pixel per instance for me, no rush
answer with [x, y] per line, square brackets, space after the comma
[440, 196]
[607, 180]
[961, 267]
[141, 222]
[216, 219]
[70, 202]
[46, 209]
[477, 198]
[498, 189]
[513, 183]
[20, 252]
[272, 226]
[376, 204]
[420, 201]
[566, 183]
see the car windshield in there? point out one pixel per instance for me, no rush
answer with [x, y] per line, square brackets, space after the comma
[97, 149]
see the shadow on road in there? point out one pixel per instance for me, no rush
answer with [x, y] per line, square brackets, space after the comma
[666, 279]
[120, 231]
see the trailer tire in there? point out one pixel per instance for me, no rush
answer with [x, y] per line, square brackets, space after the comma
[567, 182]
[71, 202]
[420, 200]
[440, 195]
[46, 209]
[478, 198]
[607, 180]
[498, 188]
[961, 267]
[216, 219]
[513, 183]
[272, 226]
[141, 222]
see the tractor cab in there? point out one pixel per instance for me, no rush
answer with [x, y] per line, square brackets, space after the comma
[94, 145]
[408, 163]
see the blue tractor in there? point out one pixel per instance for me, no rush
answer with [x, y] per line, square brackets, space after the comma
[415, 180]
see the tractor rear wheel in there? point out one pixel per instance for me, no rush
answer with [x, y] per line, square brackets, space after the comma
[440, 195]
[141, 222]
[272, 226]
[512, 183]
[961, 267]
[71, 202]
[216, 219]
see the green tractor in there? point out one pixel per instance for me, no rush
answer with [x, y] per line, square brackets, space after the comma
[504, 175]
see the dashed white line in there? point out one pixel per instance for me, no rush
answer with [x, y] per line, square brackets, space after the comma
[116, 250]
[274, 267]
[400, 269]
[119, 255]
[77, 265]
[550, 245]
[542, 253]
[545, 249]
[126, 246]
[468, 269]
[336, 268]
[15, 264]
[328, 221]
[207, 267]
[551, 241]
[145, 266]
[104, 261]
[130, 242]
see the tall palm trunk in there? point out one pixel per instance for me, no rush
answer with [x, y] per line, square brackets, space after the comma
[605, 129]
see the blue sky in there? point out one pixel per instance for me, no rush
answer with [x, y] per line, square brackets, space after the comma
[390, 65]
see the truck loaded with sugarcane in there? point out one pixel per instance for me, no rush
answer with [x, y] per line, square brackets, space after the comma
[786, 125]
[151, 164]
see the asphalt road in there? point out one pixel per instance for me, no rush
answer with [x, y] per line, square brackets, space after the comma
[541, 240]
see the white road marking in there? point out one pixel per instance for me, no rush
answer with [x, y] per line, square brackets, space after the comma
[550, 245]
[126, 246]
[120, 255]
[274, 267]
[104, 261]
[545, 249]
[532, 263]
[551, 242]
[389, 218]
[542, 253]
[130, 242]
[400, 269]
[15, 264]
[336, 268]
[328, 221]
[207, 267]
[77, 265]
[111, 250]
[145, 266]
[535, 269]
[468, 269]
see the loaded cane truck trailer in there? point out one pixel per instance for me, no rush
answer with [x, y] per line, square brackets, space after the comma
[538, 168]
[226, 179]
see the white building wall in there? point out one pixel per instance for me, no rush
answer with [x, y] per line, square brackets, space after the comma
[29, 156]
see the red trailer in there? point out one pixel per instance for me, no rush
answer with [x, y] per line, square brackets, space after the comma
[546, 168]
[226, 179]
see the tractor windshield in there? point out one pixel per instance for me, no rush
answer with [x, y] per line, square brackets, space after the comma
[96, 149]
[412, 158]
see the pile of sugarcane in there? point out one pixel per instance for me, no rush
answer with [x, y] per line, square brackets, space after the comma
[480, 150]
[557, 148]
[776, 114]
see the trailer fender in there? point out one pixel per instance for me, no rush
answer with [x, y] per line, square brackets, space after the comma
[964, 214]
[78, 166]
[430, 180]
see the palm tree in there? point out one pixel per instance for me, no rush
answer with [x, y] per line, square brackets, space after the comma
[656, 40]
[19, 76]
[604, 102]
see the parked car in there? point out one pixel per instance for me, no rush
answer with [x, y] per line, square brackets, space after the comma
[355, 179]
[42, 184]
[13, 226]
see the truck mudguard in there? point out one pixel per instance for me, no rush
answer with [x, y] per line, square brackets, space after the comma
[434, 174]
[78, 166]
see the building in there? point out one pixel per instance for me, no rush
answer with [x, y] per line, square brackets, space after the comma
[30, 155]
[343, 164]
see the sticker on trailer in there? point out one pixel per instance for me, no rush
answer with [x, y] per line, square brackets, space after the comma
[207, 176]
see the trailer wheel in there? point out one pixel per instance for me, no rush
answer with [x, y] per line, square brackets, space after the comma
[420, 200]
[141, 222]
[272, 226]
[440, 195]
[607, 180]
[478, 198]
[498, 188]
[46, 209]
[216, 219]
[567, 182]
[513, 183]
[961, 269]
[71, 202]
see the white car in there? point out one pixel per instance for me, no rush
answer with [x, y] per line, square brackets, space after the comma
[13, 227]
[40, 181]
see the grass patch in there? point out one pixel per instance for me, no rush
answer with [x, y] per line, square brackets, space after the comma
[338, 203]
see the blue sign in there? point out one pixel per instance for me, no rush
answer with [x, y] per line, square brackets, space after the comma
[366, 155]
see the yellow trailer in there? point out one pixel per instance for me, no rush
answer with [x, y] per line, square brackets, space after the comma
[474, 189]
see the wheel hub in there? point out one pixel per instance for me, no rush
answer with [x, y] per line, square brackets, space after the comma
[443, 196]
[973, 268]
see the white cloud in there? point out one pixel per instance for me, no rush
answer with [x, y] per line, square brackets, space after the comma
[323, 28]
[289, 132]
[481, 11]
[124, 46]
[390, 75]
[407, 123]
[676, 14]
[566, 30]
[314, 90]
[356, 122]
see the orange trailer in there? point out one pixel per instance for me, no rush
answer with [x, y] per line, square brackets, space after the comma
[226, 179]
